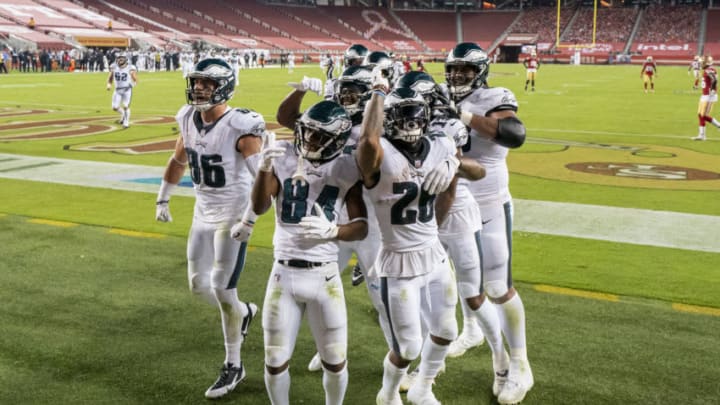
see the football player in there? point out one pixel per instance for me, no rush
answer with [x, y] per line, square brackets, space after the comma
[695, 68]
[490, 114]
[649, 69]
[310, 180]
[354, 56]
[221, 146]
[352, 90]
[415, 276]
[459, 233]
[708, 98]
[125, 77]
[532, 64]
[383, 61]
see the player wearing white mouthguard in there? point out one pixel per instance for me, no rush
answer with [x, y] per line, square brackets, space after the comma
[415, 275]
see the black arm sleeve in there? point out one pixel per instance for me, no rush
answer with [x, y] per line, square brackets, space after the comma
[510, 132]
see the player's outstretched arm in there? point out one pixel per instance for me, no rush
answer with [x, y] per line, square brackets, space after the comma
[470, 169]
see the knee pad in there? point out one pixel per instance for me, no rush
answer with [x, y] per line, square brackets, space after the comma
[468, 288]
[495, 253]
[495, 288]
[334, 353]
[411, 350]
[448, 329]
[276, 356]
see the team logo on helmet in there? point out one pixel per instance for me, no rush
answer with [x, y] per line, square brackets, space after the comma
[216, 70]
[382, 60]
[322, 131]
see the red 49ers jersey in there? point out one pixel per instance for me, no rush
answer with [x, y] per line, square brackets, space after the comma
[709, 81]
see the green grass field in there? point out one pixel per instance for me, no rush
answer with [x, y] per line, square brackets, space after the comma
[96, 308]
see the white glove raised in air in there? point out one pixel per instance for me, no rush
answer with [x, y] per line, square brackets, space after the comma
[243, 229]
[269, 152]
[308, 83]
[162, 211]
[440, 177]
[317, 226]
[379, 81]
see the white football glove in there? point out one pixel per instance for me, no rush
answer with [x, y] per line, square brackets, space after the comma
[108, 87]
[379, 81]
[308, 83]
[440, 177]
[269, 152]
[318, 226]
[242, 230]
[162, 211]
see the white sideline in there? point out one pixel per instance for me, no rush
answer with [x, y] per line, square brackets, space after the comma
[624, 225]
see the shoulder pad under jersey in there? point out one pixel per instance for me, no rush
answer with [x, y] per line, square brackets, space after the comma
[247, 122]
[487, 100]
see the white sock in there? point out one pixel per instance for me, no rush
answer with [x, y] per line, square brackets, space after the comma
[512, 321]
[231, 313]
[715, 122]
[470, 325]
[335, 385]
[127, 115]
[489, 321]
[278, 387]
[701, 132]
[392, 376]
[432, 358]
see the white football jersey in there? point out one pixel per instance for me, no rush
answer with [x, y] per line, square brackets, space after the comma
[495, 185]
[327, 184]
[219, 172]
[405, 212]
[122, 76]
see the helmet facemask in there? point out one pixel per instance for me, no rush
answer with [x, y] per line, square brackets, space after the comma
[207, 71]
[463, 78]
[122, 60]
[349, 94]
[407, 116]
[322, 131]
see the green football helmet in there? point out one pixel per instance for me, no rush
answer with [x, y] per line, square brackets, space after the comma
[466, 68]
[322, 131]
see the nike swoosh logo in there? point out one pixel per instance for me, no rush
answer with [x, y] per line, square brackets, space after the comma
[330, 278]
[485, 222]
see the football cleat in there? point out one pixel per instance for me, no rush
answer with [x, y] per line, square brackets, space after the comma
[408, 380]
[466, 340]
[357, 276]
[230, 377]
[315, 363]
[421, 394]
[252, 311]
[519, 382]
[383, 398]
[500, 367]
[698, 138]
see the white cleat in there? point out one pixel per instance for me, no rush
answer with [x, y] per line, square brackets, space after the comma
[384, 399]
[519, 382]
[464, 342]
[409, 379]
[698, 138]
[422, 395]
[315, 363]
[500, 366]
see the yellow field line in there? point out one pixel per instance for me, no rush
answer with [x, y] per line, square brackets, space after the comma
[61, 224]
[136, 234]
[577, 293]
[696, 309]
